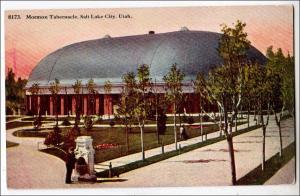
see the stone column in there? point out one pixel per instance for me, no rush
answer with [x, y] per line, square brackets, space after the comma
[51, 105]
[62, 105]
[38, 104]
[107, 105]
[84, 104]
[73, 105]
[97, 105]
[30, 102]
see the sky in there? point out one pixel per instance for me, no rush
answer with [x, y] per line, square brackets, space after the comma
[27, 41]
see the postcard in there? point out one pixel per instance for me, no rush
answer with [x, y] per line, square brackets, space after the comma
[150, 97]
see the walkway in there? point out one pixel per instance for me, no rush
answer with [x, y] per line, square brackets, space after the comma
[204, 166]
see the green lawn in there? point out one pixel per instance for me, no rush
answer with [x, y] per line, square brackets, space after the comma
[9, 118]
[16, 124]
[117, 135]
[31, 133]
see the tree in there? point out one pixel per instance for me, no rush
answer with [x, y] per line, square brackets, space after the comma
[125, 112]
[54, 89]
[224, 83]
[199, 87]
[173, 81]
[91, 86]
[77, 87]
[142, 103]
[14, 92]
[281, 76]
[107, 90]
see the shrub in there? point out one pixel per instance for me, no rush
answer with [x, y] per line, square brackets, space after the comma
[190, 120]
[99, 120]
[53, 138]
[112, 123]
[69, 139]
[205, 118]
[29, 113]
[88, 123]
[66, 122]
[37, 123]
[161, 123]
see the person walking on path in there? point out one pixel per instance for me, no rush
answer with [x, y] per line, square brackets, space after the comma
[70, 164]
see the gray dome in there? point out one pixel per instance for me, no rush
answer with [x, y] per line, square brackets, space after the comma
[109, 58]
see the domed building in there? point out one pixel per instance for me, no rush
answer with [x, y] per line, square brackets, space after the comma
[109, 58]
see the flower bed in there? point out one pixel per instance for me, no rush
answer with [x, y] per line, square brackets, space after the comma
[105, 146]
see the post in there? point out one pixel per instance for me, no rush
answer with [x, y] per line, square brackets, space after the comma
[110, 170]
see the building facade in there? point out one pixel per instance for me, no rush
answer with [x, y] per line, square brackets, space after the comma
[110, 58]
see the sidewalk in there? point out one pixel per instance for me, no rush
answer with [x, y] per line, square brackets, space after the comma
[121, 161]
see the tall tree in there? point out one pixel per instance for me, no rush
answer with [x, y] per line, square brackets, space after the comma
[173, 81]
[14, 92]
[126, 104]
[54, 89]
[107, 90]
[91, 86]
[77, 87]
[199, 87]
[142, 106]
[280, 71]
[224, 83]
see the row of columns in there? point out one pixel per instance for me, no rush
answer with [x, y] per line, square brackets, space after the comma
[103, 102]
[62, 103]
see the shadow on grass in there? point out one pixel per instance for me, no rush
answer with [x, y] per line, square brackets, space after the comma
[154, 159]
[10, 144]
[259, 177]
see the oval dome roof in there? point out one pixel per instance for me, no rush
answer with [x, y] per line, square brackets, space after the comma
[109, 58]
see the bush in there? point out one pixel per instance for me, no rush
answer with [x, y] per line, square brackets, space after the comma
[29, 113]
[112, 123]
[69, 139]
[53, 138]
[161, 123]
[99, 120]
[66, 122]
[37, 123]
[88, 123]
[190, 120]
[205, 118]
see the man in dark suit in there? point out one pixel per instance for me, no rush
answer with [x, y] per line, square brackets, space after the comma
[70, 164]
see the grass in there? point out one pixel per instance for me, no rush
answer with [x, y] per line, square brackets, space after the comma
[117, 135]
[9, 118]
[259, 177]
[138, 164]
[16, 124]
[10, 144]
[30, 133]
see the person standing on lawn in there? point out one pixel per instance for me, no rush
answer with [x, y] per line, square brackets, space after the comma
[70, 164]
